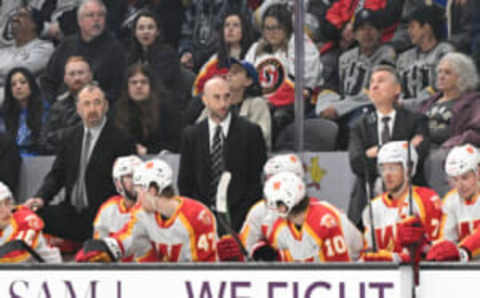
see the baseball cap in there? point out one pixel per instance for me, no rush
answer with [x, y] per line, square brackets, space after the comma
[367, 16]
[249, 68]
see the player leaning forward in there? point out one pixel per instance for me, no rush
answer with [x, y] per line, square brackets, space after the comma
[181, 229]
[397, 226]
[306, 229]
[21, 225]
[460, 236]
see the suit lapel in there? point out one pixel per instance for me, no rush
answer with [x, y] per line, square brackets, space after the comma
[398, 124]
[204, 145]
[231, 141]
[77, 148]
[371, 125]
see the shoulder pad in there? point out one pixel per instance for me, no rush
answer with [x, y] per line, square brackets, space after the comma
[26, 219]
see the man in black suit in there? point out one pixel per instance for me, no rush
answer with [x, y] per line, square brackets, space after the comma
[84, 167]
[242, 150]
[388, 122]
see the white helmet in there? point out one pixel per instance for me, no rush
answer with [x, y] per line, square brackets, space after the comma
[5, 192]
[286, 188]
[284, 163]
[124, 165]
[397, 151]
[153, 171]
[461, 159]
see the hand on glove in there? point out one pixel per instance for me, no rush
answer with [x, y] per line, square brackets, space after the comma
[228, 250]
[444, 250]
[262, 251]
[410, 231]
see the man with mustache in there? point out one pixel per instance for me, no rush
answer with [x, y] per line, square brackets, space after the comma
[83, 166]
[63, 113]
[105, 54]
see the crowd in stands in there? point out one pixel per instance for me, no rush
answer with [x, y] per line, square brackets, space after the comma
[198, 77]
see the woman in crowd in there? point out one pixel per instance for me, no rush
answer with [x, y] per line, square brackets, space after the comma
[24, 110]
[453, 113]
[143, 114]
[236, 37]
[148, 47]
[273, 55]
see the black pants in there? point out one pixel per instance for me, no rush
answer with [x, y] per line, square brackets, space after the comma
[64, 221]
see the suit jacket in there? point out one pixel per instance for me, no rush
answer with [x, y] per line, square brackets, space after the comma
[364, 135]
[110, 144]
[10, 162]
[244, 156]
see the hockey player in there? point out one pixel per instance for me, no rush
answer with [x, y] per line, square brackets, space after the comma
[461, 208]
[116, 211]
[259, 218]
[395, 228]
[180, 229]
[305, 230]
[19, 228]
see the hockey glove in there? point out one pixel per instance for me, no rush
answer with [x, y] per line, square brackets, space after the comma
[262, 251]
[443, 250]
[98, 251]
[228, 250]
[410, 231]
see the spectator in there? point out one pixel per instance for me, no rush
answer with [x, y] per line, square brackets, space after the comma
[337, 20]
[355, 65]
[223, 142]
[62, 19]
[199, 38]
[170, 14]
[387, 123]
[143, 114]
[417, 65]
[148, 46]
[10, 161]
[274, 58]
[97, 45]
[234, 41]
[453, 113]
[63, 113]
[25, 110]
[247, 100]
[7, 10]
[83, 166]
[27, 49]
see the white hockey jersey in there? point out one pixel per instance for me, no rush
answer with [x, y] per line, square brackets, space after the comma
[461, 217]
[387, 214]
[27, 226]
[111, 217]
[188, 235]
[327, 235]
[258, 222]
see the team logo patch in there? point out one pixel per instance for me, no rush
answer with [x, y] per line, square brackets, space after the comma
[270, 74]
[328, 221]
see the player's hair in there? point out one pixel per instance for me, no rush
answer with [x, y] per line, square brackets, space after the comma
[465, 68]
[168, 192]
[301, 206]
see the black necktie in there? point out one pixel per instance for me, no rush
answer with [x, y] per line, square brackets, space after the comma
[216, 162]
[386, 130]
